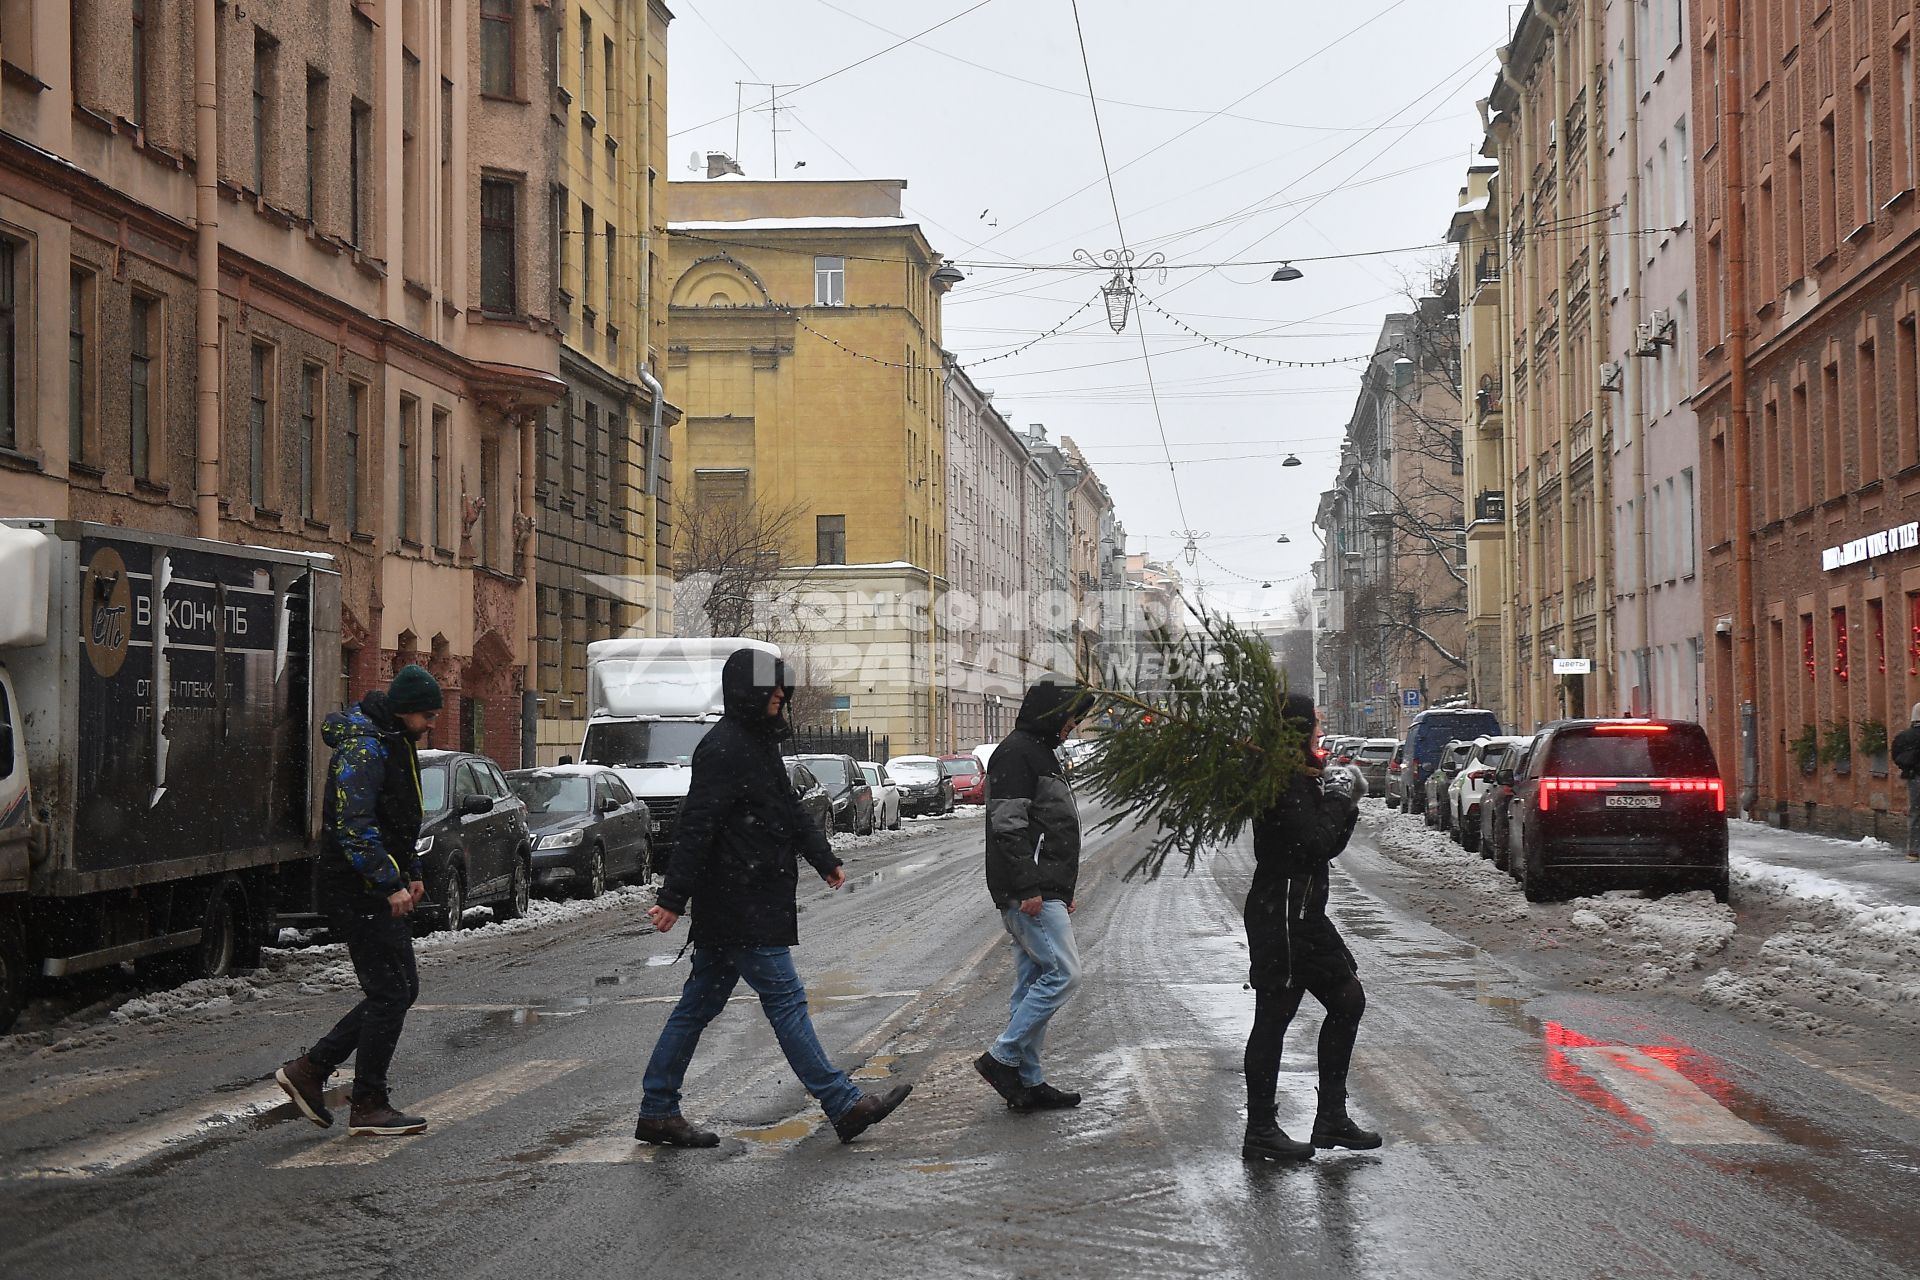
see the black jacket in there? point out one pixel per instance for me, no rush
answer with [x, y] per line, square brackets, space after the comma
[370, 817]
[1906, 751]
[1033, 824]
[1291, 941]
[742, 832]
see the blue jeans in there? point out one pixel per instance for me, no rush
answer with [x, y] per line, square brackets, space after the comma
[769, 971]
[1046, 970]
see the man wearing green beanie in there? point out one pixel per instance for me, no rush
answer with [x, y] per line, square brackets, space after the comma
[370, 880]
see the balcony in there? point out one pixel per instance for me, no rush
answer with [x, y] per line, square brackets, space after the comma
[1584, 596]
[1581, 438]
[1487, 400]
[1490, 504]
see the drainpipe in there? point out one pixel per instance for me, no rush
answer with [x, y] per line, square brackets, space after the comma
[1604, 667]
[206, 209]
[650, 491]
[528, 420]
[1522, 176]
[1634, 392]
[1563, 383]
[1746, 660]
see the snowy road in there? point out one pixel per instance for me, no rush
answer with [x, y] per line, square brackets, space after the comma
[1578, 1089]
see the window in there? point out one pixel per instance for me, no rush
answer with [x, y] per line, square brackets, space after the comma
[1906, 386]
[1863, 192]
[1904, 158]
[308, 445]
[489, 495]
[1866, 425]
[499, 287]
[142, 341]
[140, 69]
[496, 48]
[1830, 433]
[1842, 655]
[591, 481]
[1688, 539]
[359, 169]
[9, 338]
[608, 86]
[829, 282]
[830, 539]
[562, 211]
[409, 425]
[356, 432]
[586, 254]
[437, 481]
[259, 399]
[1796, 221]
[586, 60]
[79, 358]
[613, 243]
[1829, 188]
[263, 51]
[316, 140]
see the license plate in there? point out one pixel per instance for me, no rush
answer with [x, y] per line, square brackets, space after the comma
[1633, 802]
[659, 826]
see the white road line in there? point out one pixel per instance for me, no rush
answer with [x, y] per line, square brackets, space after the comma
[45, 1097]
[1412, 1085]
[86, 1160]
[1679, 1110]
[612, 1148]
[461, 1103]
[565, 1011]
[1857, 1076]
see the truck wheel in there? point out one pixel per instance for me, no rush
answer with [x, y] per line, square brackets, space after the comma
[13, 970]
[222, 933]
[520, 895]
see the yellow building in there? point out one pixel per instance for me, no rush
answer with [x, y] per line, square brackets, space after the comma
[806, 354]
[604, 512]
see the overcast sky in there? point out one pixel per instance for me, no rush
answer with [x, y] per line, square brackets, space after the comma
[1314, 151]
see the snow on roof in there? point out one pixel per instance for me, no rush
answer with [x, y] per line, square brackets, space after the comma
[1473, 206]
[796, 224]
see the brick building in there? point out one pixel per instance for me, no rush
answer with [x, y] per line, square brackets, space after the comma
[1831, 274]
[334, 339]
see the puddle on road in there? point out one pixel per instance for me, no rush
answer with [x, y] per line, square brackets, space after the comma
[947, 1166]
[879, 1068]
[775, 1135]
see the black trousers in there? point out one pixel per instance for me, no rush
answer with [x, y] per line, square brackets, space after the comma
[1273, 1009]
[381, 947]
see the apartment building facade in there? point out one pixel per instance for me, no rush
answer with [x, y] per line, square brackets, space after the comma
[308, 312]
[988, 602]
[1810, 262]
[603, 474]
[1544, 130]
[806, 356]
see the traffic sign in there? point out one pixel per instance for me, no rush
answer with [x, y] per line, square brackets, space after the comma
[1409, 697]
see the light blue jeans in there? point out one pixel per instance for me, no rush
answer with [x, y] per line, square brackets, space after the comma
[1046, 969]
[770, 972]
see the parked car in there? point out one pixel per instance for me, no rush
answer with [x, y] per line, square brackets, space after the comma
[924, 789]
[588, 829]
[814, 799]
[1497, 808]
[474, 840]
[1396, 788]
[1345, 749]
[1431, 731]
[1469, 789]
[1434, 795]
[969, 778]
[886, 796]
[851, 796]
[1619, 804]
[984, 753]
[1371, 758]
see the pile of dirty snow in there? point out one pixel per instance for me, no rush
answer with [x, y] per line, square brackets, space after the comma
[542, 913]
[1663, 937]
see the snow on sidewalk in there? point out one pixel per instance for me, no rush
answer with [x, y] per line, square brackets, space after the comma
[1870, 870]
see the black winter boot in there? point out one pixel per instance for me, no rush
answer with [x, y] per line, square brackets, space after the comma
[1333, 1127]
[1266, 1140]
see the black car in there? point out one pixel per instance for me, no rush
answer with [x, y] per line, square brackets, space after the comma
[1453, 758]
[473, 839]
[1497, 809]
[813, 797]
[1619, 804]
[587, 827]
[848, 790]
[924, 788]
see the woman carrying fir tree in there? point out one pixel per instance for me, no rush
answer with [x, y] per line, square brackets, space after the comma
[1296, 951]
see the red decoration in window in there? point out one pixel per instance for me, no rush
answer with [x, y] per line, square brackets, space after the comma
[1913, 635]
[1806, 645]
[1880, 637]
[1840, 644]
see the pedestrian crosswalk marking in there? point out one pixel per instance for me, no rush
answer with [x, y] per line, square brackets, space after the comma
[611, 1148]
[460, 1103]
[1427, 1111]
[58, 1093]
[1679, 1110]
[103, 1155]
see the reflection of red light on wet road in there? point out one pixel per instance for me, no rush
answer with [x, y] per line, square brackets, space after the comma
[1669, 1090]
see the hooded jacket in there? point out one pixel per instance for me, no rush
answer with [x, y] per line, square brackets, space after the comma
[1290, 939]
[370, 819]
[1033, 824]
[1906, 747]
[741, 831]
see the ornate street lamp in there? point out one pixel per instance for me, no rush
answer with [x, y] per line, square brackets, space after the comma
[1117, 292]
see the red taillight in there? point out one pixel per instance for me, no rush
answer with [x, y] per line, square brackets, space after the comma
[1319, 758]
[1395, 767]
[1710, 785]
[1344, 760]
[1630, 728]
[1550, 785]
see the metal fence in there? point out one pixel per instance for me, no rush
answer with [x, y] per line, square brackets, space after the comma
[861, 744]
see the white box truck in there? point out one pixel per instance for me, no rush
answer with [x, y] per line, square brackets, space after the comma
[160, 761]
[649, 702]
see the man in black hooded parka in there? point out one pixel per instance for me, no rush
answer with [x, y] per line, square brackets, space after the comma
[736, 853]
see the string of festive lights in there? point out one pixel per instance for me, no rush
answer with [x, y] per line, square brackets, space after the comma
[1245, 355]
[794, 315]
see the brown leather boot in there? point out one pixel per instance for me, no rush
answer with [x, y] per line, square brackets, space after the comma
[673, 1131]
[306, 1084]
[374, 1117]
[870, 1111]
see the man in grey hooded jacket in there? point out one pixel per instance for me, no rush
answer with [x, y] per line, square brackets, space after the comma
[1033, 866]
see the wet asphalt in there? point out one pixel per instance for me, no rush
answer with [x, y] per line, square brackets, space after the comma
[1533, 1129]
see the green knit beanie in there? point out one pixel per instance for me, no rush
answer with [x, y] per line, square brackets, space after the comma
[413, 689]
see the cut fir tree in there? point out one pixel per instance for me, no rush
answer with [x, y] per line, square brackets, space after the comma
[1197, 742]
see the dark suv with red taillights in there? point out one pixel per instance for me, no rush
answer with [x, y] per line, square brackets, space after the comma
[1615, 804]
